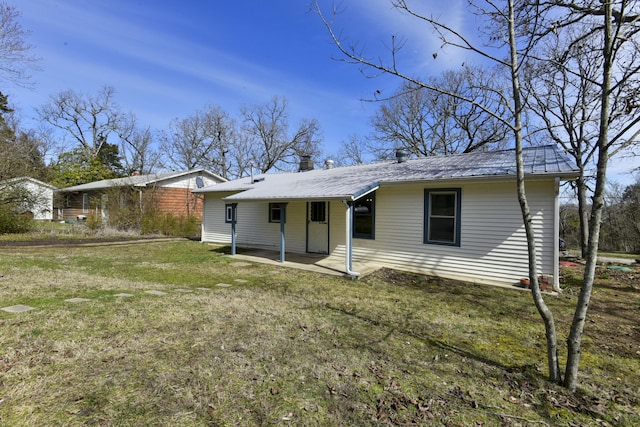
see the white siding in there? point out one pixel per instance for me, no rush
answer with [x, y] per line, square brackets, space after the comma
[492, 244]
[214, 227]
[42, 207]
[186, 181]
[253, 228]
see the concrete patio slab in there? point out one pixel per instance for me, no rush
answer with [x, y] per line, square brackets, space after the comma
[17, 308]
[333, 265]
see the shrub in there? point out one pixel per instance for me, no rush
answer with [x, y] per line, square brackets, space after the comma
[12, 222]
[94, 221]
[169, 224]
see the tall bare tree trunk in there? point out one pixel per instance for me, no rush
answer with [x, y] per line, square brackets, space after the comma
[543, 309]
[579, 318]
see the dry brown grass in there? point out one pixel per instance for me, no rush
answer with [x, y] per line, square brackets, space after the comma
[292, 347]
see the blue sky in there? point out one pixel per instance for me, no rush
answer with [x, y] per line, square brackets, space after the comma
[166, 59]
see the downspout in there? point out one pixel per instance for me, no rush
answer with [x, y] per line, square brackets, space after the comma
[283, 218]
[234, 207]
[556, 238]
[348, 245]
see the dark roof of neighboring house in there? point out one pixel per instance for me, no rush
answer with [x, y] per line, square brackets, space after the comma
[351, 182]
[138, 180]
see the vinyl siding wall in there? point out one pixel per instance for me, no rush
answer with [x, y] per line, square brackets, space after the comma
[253, 228]
[492, 245]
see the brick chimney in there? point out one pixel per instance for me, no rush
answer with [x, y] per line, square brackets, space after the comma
[305, 163]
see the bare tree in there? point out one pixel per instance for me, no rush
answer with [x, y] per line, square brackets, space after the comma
[427, 123]
[273, 146]
[15, 57]
[613, 26]
[22, 151]
[351, 151]
[630, 206]
[137, 147]
[566, 91]
[203, 140]
[88, 121]
[240, 157]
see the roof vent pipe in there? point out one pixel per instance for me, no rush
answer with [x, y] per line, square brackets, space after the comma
[328, 164]
[401, 155]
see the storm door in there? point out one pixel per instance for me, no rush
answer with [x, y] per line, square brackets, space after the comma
[318, 227]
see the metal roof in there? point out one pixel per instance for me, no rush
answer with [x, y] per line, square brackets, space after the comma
[351, 182]
[136, 181]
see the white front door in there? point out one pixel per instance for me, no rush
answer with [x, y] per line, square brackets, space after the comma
[318, 227]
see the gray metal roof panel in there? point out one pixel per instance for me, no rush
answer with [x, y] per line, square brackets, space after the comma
[351, 181]
[134, 181]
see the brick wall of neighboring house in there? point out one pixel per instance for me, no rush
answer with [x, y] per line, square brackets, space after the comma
[179, 201]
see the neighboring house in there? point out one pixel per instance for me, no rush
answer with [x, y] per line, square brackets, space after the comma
[169, 192]
[40, 207]
[456, 217]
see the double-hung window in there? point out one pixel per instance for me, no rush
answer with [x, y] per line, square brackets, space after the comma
[85, 202]
[442, 216]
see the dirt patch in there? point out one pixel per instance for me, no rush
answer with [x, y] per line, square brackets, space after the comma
[54, 241]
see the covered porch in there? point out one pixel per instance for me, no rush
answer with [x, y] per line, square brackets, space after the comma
[324, 264]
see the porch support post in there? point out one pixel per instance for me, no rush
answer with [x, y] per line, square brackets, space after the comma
[234, 208]
[348, 243]
[283, 217]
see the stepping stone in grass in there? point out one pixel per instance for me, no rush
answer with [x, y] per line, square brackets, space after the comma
[123, 295]
[17, 308]
[224, 285]
[203, 289]
[186, 291]
[240, 280]
[155, 292]
[77, 300]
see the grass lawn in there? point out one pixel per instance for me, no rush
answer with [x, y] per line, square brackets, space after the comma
[287, 347]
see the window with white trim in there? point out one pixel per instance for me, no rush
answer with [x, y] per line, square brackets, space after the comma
[228, 213]
[85, 202]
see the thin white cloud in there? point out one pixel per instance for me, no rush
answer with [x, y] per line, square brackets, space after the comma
[371, 23]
